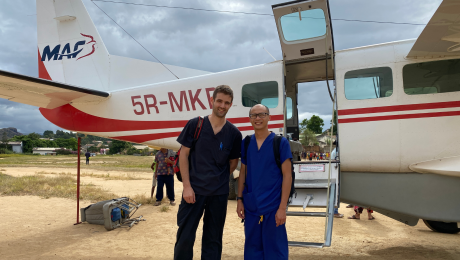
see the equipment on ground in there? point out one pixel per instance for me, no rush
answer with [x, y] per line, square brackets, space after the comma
[112, 214]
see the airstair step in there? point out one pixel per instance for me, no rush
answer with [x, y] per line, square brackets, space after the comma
[312, 184]
[305, 244]
[306, 214]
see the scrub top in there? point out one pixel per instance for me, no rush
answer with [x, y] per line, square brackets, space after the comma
[209, 165]
[262, 193]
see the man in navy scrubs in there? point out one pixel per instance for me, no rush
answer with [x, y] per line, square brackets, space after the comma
[263, 202]
[206, 178]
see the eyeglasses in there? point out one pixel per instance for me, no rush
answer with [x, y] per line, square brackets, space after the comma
[260, 115]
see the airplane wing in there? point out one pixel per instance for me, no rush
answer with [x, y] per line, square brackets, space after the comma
[44, 93]
[441, 36]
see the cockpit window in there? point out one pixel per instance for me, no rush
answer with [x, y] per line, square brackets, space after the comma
[310, 24]
[265, 93]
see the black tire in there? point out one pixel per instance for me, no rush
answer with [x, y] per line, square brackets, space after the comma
[442, 227]
[231, 184]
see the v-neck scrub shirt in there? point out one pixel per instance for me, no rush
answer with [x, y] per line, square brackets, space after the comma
[262, 193]
[209, 165]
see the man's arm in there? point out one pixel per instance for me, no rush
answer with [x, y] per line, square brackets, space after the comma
[188, 193]
[233, 164]
[241, 180]
[286, 169]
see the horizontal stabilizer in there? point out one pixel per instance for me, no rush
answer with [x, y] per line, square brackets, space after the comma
[44, 93]
[441, 36]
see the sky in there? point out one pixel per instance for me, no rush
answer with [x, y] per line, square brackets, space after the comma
[209, 41]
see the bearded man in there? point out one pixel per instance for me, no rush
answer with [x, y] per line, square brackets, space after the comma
[205, 173]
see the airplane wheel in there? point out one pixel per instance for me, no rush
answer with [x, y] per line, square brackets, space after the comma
[442, 227]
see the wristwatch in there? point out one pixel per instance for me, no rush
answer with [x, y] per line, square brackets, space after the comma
[239, 198]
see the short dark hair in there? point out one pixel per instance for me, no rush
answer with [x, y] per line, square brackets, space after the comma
[268, 110]
[224, 89]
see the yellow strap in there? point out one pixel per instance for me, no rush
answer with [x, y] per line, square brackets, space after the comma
[261, 218]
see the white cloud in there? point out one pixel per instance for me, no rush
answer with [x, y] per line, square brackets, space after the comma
[207, 41]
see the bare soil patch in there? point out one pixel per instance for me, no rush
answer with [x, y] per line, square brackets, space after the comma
[38, 228]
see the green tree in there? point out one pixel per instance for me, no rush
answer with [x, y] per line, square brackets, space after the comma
[334, 125]
[48, 134]
[309, 138]
[303, 125]
[315, 124]
[118, 146]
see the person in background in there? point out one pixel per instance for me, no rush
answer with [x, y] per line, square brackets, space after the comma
[310, 156]
[87, 155]
[165, 176]
[154, 181]
[359, 210]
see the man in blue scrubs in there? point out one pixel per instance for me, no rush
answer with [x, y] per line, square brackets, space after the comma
[205, 178]
[263, 202]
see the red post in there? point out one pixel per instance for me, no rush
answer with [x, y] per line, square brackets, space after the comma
[78, 184]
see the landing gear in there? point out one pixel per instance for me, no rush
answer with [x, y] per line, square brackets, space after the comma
[442, 227]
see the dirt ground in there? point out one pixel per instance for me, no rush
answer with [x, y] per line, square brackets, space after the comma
[36, 228]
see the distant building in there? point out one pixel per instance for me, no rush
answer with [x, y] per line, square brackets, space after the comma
[45, 150]
[16, 146]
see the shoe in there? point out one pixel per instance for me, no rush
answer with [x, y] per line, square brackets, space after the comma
[172, 203]
[158, 203]
[349, 206]
[338, 215]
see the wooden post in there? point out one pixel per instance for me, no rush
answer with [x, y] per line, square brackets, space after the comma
[78, 184]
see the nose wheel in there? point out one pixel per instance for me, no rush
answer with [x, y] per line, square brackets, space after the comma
[442, 227]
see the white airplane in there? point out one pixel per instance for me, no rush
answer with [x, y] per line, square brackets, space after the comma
[398, 103]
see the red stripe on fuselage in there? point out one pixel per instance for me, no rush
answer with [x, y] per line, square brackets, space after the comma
[150, 137]
[398, 108]
[396, 117]
[68, 117]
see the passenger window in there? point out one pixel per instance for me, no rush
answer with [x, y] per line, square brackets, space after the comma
[312, 24]
[288, 108]
[265, 93]
[368, 83]
[432, 77]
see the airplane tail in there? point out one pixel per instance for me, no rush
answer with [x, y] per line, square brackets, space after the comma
[70, 50]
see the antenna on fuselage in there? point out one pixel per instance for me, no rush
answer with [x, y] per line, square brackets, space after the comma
[269, 54]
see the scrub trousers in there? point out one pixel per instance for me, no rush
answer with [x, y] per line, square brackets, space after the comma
[264, 240]
[168, 181]
[188, 218]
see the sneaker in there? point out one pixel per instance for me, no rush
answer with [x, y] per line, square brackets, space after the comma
[158, 203]
[172, 203]
[338, 215]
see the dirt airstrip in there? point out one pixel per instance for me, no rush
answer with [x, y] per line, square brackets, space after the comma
[36, 228]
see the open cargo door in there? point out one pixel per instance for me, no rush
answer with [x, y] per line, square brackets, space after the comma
[305, 32]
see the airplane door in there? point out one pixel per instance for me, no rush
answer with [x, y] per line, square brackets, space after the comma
[304, 30]
[305, 34]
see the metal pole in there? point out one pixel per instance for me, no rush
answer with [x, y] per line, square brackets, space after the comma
[78, 184]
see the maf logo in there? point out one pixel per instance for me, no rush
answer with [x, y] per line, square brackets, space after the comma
[57, 54]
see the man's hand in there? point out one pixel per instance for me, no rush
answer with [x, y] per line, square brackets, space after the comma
[280, 217]
[168, 161]
[189, 195]
[240, 209]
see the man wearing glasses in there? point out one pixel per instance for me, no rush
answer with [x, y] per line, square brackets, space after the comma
[262, 204]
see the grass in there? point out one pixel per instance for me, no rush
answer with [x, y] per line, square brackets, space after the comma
[48, 187]
[164, 208]
[62, 186]
[127, 176]
[101, 162]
